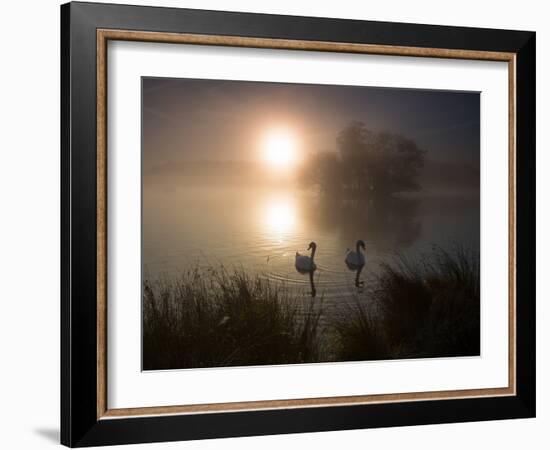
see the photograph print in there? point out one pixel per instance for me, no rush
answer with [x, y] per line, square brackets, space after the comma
[299, 223]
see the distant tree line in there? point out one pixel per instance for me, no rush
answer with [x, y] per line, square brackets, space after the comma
[367, 162]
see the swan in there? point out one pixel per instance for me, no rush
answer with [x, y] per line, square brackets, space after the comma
[304, 263]
[355, 259]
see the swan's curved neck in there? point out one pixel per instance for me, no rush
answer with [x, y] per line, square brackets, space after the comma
[358, 248]
[313, 252]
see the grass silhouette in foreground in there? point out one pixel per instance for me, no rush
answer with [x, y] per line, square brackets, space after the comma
[217, 318]
[213, 318]
[428, 308]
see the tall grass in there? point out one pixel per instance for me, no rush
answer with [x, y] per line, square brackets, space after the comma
[210, 318]
[358, 336]
[427, 308]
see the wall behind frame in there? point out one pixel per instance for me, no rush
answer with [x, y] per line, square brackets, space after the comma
[29, 237]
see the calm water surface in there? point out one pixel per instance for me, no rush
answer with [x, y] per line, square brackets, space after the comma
[260, 230]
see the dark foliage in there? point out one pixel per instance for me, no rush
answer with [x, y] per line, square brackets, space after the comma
[413, 309]
[368, 162]
[216, 318]
[358, 336]
[429, 308]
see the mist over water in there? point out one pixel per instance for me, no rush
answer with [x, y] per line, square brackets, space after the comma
[261, 229]
[245, 174]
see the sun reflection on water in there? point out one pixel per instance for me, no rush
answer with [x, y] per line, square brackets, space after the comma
[279, 215]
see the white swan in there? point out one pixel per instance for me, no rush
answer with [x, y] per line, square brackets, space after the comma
[304, 263]
[355, 259]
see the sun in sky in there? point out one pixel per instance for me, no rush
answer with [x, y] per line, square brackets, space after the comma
[280, 149]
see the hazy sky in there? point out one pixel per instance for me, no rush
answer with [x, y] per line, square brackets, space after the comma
[195, 120]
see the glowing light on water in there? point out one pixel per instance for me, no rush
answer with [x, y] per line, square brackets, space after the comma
[279, 215]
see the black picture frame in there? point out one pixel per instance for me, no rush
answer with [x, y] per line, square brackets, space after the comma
[80, 425]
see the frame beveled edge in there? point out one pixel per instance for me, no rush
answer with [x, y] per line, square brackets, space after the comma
[103, 36]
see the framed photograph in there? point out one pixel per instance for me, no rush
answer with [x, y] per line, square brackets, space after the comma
[276, 224]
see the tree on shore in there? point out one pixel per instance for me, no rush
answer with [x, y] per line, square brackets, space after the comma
[368, 162]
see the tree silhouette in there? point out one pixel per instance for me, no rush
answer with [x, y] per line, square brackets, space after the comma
[378, 162]
[325, 171]
[368, 162]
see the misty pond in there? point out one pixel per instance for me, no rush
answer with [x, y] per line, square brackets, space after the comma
[261, 229]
